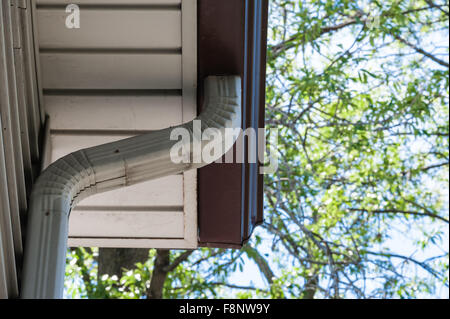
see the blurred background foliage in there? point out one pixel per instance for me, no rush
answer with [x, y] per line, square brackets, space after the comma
[359, 91]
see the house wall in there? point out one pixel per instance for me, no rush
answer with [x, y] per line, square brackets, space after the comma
[21, 120]
[129, 69]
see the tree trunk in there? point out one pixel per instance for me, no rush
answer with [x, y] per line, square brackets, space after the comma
[310, 287]
[113, 261]
[159, 275]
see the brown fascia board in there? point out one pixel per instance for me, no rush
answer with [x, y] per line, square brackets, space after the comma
[232, 39]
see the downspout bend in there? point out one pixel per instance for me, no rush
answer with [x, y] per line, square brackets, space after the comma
[110, 166]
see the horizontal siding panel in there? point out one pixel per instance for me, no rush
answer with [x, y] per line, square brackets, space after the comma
[63, 145]
[166, 191]
[128, 224]
[113, 112]
[111, 29]
[131, 243]
[109, 2]
[111, 71]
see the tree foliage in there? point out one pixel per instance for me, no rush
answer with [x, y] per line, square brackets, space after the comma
[358, 207]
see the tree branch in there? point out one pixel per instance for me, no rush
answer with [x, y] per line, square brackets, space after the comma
[261, 262]
[433, 5]
[291, 42]
[434, 166]
[421, 51]
[183, 257]
[419, 263]
[234, 286]
[397, 211]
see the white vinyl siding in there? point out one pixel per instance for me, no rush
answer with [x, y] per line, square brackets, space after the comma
[20, 123]
[112, 29]
[69, 112]
[111, 71]
[129, 69]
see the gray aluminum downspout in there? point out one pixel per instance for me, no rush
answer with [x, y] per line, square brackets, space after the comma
[106, 167]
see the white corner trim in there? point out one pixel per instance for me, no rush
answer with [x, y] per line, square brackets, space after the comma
[189, 107]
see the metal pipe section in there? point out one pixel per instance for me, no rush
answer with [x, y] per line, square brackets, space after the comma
[110, 166]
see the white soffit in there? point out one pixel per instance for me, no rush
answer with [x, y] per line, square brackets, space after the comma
[129, 69]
